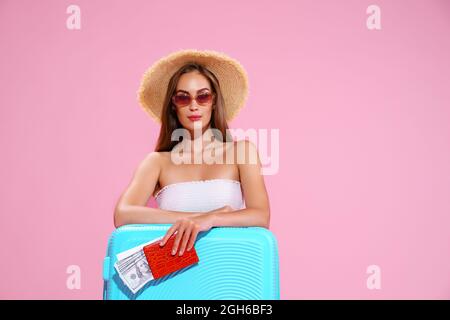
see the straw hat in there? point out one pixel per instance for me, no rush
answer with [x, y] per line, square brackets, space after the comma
[230, 73]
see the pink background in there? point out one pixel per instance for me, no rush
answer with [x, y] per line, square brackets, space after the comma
[364, 120]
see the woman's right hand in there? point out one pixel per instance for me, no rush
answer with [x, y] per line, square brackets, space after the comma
[188, 228]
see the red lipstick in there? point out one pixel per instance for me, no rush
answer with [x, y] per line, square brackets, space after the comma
[194, 118]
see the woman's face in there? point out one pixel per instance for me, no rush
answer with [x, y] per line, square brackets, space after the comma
[194, 83]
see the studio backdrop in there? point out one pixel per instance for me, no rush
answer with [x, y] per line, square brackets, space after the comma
[348, 104]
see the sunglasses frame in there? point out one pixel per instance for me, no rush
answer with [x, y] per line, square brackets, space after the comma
[193, 98]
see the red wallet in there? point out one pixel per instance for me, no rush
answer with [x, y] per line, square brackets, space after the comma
[161, 260]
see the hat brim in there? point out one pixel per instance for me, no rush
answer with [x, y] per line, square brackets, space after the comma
[231, 75]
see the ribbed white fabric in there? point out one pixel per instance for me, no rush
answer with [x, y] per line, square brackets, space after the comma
[201, 195]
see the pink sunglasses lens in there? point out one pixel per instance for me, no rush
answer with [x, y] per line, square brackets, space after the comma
[204, 98]
[182, 100]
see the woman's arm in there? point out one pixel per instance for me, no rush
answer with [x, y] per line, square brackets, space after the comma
[257, 211]
[131, 206]
[248, 217]
[142, 214]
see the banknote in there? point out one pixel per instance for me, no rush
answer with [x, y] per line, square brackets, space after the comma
[132, 267]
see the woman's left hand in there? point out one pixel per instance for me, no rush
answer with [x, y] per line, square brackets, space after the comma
[188, 229]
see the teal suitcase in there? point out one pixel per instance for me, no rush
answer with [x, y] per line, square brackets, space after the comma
[235, 263]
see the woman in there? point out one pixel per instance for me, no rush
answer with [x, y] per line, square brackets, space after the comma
[195, 92]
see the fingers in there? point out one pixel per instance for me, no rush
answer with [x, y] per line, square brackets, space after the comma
[194, 234]
[186, 234]
[169, 232]
[180, 234]
[186, 237]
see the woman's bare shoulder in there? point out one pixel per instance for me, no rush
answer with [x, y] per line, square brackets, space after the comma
[157, 157]
[152, 159]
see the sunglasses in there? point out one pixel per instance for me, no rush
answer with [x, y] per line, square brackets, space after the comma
[182, 100]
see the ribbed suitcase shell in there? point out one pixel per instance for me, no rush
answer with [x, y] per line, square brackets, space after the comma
[234, 263]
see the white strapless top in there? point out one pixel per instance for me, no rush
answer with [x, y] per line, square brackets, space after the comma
[201, 195]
